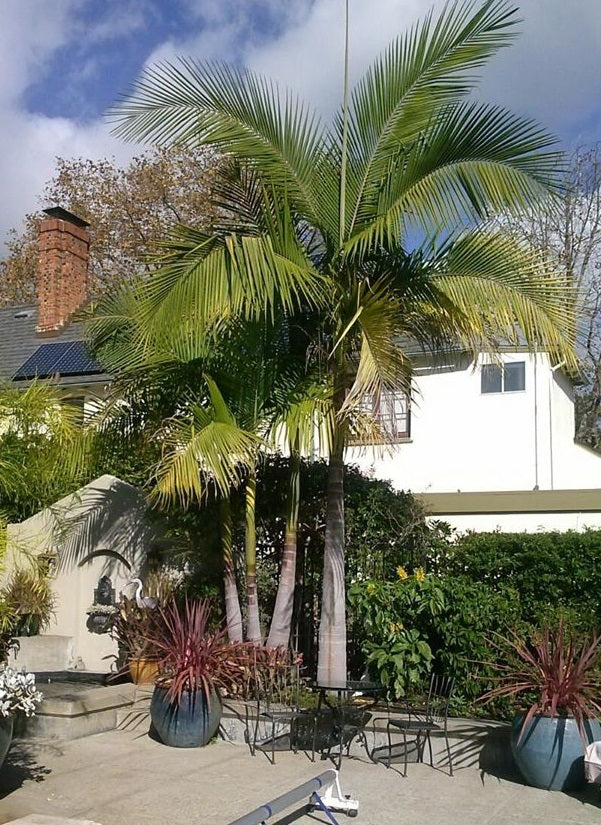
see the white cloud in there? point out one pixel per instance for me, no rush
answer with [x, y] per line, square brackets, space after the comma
[551, 73]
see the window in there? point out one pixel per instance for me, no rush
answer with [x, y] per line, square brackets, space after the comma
[509, 377]
[392, 412]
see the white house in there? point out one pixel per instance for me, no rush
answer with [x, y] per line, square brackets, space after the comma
[490, 444]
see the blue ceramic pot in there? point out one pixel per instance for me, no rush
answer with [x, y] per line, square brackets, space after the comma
[550, 753]
[6, 735]
[190, 724]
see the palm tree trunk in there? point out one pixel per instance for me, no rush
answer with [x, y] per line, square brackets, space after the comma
[233, 614]
[331, 658]
[281, 622]
[253, 625]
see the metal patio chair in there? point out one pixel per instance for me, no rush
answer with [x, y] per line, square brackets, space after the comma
[277, 711]
[418, 723]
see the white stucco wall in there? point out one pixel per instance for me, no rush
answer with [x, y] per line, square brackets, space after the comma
[522, 522]
[462, 439]
[107, 514]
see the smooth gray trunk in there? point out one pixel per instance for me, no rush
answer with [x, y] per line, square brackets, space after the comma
[253, 622]
[281, 622]
[331, 659]
[233, 614]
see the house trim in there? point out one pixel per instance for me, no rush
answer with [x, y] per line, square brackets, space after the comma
[524, 501]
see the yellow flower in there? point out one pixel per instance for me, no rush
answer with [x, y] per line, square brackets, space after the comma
[402, 573]
[419, 574]
[371, 588]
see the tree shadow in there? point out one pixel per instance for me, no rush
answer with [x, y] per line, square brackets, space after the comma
[25, 763]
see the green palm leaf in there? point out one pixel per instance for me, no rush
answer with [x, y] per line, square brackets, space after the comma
[234, 110]
[419, 74]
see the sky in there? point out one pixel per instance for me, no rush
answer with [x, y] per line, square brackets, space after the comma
[63, 63]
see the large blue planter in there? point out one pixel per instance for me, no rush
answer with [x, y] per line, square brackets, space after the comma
[190, 724]
[550, 753]
[6, 735]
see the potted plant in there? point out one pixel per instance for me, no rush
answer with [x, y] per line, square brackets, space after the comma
[558, 677]
[195, 662]
[17, 693]
[130, 625]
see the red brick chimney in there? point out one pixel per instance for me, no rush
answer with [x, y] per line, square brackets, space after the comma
[64, 244]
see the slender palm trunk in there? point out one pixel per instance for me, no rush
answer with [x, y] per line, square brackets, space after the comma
[331, 660]
[233, 614]
[281, 622]
[253, 624]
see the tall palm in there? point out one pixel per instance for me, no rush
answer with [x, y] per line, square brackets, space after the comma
[330, 218]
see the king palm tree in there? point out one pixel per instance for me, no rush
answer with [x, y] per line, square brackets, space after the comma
[376, 225]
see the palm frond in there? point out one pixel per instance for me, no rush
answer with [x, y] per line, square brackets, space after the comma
[382, 364]
[506, 294]
[203, 449]
[473, 161]
[420, 73]
[231, 109]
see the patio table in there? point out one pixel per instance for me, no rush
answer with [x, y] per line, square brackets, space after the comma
[343, 711]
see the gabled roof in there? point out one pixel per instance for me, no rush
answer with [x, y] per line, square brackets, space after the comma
[25, 354]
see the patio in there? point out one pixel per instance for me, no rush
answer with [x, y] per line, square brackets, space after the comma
[125, 776]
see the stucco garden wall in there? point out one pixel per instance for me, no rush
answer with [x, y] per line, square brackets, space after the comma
[101, 530]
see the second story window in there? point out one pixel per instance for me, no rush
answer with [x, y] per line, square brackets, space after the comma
[509, 377]
[392, 411]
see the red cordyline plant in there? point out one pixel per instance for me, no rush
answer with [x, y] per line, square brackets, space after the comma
[562, 672]
[191, 656]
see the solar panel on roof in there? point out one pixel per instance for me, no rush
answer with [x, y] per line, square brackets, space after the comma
[61, 357]
[77, 361]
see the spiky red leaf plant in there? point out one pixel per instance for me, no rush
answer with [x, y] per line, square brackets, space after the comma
[191, 656]
[562, 672]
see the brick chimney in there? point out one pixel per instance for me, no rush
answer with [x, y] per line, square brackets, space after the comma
[64, 244]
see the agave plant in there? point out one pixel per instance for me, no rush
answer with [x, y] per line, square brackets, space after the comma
[192, 656]
[557, 673]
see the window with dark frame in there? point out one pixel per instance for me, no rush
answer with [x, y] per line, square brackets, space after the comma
[510, 377]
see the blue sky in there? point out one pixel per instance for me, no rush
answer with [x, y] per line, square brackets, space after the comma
[62, 63]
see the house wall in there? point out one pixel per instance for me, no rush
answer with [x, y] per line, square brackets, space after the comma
[521, 522]
[462, 439]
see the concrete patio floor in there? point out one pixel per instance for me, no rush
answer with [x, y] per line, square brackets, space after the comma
[127, 777]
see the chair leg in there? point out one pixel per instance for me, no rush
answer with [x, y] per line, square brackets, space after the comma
[430, 748]
[446, 739]
[405, 749]
[389, 745]
[273, 741]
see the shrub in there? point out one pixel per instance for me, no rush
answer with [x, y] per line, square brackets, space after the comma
[550, 572]
[392, 623]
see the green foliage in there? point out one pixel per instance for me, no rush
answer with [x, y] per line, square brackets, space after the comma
[395, 620]
[28, 597]
[41, 451]
[459, 636]
[551, 572]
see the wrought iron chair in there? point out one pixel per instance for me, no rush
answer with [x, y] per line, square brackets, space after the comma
[419, 722]
[276, 709]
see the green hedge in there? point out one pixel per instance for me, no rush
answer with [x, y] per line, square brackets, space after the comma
[550, 572]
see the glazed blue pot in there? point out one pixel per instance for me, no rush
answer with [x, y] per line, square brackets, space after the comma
[190, 724]
[550, 753]
[6, 735]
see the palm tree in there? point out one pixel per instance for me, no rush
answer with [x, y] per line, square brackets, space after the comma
[378, 224]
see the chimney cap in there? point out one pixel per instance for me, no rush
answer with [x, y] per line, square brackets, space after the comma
[65, 215]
